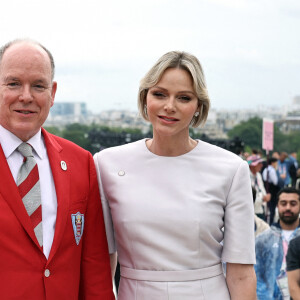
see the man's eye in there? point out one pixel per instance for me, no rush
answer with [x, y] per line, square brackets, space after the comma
[39, 87]
[13, 84]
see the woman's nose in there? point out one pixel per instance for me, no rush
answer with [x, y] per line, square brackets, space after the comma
[170, 105]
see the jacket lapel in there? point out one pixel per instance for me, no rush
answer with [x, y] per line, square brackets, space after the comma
[62, 186]
[10, 193]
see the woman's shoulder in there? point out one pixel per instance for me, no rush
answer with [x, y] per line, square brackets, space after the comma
[217, 153]
[120, 151]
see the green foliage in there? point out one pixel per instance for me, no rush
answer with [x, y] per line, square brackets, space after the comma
[78, 137]
[94, 137]
[251, 133]
[247, 149]
[54, 130]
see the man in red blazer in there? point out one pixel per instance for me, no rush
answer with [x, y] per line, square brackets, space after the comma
[73, 261]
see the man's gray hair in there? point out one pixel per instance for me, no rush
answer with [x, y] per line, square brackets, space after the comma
[16, 41]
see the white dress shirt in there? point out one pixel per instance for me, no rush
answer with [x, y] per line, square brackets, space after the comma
[9, 143]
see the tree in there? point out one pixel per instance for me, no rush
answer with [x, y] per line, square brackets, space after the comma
[78, 134]
[54, 130]
[250, 132]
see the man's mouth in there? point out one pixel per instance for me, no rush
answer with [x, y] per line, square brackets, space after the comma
[26, 112]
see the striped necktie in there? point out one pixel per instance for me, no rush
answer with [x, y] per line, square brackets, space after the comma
[28, 183]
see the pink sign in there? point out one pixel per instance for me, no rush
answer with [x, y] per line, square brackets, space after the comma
[268, 134]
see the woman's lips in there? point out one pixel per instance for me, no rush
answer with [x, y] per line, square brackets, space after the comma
[168, 119]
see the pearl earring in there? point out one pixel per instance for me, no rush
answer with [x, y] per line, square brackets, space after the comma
[196, 114]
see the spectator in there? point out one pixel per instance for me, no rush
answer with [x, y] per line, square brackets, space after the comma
[255, 165]
[276, 155]
[293, 168]
[293, 268]
[272, 245]
[259, 224]
[246, 155]
[283, 170]
[271, 179]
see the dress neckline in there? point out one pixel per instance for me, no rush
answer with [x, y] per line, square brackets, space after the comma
[169, 157]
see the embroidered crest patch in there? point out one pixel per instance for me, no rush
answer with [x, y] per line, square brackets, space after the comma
[78, 224]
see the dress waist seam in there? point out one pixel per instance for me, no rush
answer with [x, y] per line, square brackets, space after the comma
[182, 275]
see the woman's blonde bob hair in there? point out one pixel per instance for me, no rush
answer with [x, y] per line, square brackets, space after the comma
[184, 61]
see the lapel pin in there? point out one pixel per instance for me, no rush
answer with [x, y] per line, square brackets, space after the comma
[63, 165]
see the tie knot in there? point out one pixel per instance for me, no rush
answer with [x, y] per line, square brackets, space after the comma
[25, 149]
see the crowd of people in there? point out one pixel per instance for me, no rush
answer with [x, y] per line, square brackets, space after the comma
[270, 175]
[276, 198]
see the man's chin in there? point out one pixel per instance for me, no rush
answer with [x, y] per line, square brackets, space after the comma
[289, 219]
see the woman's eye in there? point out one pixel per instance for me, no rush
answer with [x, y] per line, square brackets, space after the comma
[184, 98]
[158, 94]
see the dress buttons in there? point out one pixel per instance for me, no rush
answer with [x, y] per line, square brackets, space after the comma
[47, 273]
[121, 173]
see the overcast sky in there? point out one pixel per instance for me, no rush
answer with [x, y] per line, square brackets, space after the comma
[249, 49]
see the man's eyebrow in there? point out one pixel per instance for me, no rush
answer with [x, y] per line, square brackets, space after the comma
[292, 200]
[40, 81]
[7, 78]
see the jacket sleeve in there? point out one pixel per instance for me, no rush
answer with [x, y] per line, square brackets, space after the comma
[95, 279]
[262, 289]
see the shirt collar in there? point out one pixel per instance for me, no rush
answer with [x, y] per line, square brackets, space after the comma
[10, 142]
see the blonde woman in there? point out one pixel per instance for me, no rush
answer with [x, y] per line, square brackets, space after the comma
[167, 198]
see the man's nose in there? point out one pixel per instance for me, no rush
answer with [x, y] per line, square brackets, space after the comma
[26, 94]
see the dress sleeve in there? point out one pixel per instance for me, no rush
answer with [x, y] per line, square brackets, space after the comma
[239, 240]
[109, 228]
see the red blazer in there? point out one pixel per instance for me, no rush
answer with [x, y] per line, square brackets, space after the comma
[72, 271]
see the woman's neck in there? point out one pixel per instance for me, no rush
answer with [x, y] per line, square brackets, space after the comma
[170, 146]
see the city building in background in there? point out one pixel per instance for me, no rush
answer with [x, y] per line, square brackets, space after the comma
[219, 121]
[291, 120]
[62, 113]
